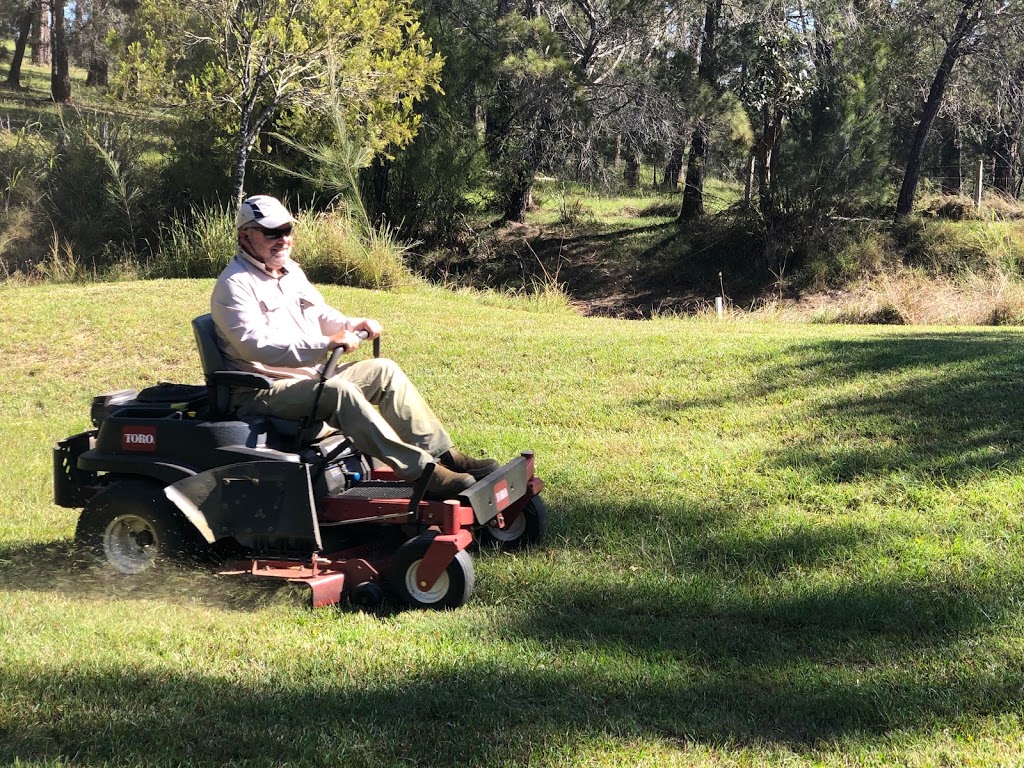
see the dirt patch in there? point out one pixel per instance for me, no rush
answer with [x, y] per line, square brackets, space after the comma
[634, 273]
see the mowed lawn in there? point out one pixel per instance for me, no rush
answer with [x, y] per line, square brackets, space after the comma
[770, 544]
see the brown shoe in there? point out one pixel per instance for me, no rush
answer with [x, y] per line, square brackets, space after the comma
[460, 462]
[445, 484]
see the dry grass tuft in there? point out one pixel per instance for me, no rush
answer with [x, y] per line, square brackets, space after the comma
[909, 297]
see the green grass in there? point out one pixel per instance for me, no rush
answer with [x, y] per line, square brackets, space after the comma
[770, 544]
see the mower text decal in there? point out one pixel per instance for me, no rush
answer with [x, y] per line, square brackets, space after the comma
[501, 495]
[138, 439]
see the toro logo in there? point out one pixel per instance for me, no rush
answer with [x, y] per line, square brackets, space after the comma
[501, 495]
[138, 439]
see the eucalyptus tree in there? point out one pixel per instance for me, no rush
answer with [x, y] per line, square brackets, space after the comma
[834, 156]
[553, 79]
[708, 75]
[92, 25]
[1007, 128]
[20, 16]
[60, 78]
[958, 29]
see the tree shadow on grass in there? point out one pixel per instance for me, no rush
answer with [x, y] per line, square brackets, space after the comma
[953, 423]
[606, 672]
[700, 647]
[943, 405]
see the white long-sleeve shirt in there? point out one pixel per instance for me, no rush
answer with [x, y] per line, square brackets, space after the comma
[276, 326]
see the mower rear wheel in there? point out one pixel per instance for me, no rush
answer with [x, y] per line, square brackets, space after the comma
[132, 527]
[451, 590]
[526, 530]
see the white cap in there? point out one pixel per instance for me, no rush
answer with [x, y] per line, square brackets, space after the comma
[263, 211]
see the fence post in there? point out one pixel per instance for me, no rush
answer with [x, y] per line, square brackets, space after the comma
[748, 191]
[977, 187]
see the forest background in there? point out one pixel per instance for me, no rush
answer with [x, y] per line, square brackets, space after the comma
[852, 160]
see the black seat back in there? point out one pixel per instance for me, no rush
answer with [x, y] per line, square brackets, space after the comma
[206, 340]
[212, 360]
[220, 379]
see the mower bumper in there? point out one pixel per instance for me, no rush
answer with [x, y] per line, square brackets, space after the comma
[509, 486]
[73, 487]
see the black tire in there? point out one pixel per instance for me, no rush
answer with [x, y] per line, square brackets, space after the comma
[451, 590]
[367, 596]
[527, 530]
[131, 527]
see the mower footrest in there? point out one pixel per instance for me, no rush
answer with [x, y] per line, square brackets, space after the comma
[376, 490]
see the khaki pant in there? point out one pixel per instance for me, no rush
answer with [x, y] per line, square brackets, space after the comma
[404, 433]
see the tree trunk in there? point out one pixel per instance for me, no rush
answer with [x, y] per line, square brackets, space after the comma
[24, 29]
[771, 130]
[60, 81]
[41, 33]
[696, 165]
[98, 73]
[378, 188]
[970, 16]
[518, 201]
[631, 174]
[242, 146]
[674, 167]
[519, 192]
[707, 75]
[1005, 160]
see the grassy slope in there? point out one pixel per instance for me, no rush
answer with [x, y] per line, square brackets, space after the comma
[770, 544]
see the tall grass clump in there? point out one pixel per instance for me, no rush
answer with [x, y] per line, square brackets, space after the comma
[333, 248]
[351, 248]
[329, 246]
[197, 244]
[949, 248]
[99, 194]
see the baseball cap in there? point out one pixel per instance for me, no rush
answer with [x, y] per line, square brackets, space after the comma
[262, 211]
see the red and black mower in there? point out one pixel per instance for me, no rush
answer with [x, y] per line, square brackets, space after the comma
[168, 472]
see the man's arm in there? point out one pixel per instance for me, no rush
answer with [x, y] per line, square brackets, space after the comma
[332, 322]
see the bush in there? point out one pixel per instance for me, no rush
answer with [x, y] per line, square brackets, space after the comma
[98, 190]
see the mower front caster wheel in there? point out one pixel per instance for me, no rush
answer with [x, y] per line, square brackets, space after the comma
[526, 530]
[132, 527]
[451, 590]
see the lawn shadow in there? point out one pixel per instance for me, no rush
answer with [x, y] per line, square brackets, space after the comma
[687, 649]
[949, 405]
[765, 638]
[952, 426]
[699, 629]
[617, 662]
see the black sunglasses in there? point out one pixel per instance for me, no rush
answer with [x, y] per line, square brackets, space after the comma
[276, 234]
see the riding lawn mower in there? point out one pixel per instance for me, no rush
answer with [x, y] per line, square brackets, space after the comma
[170, 473]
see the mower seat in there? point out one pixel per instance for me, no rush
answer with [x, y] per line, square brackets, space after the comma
[220, 380]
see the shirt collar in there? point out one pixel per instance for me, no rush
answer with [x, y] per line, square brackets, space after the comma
[259, 265]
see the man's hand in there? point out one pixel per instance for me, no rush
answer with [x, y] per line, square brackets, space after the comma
[345, 339]
[372, 327]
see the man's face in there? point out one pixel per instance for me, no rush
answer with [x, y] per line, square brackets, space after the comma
[271, 246]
